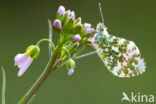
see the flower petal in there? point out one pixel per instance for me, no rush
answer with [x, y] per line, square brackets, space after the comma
[70, 71]
[25, 66]
[20, 59]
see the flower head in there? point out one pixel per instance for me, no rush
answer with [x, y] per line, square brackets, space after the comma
[23, 61]
[61, 10]
[76, 38]
[57, 24]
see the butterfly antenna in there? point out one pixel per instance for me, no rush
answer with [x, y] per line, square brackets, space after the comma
[100, 8]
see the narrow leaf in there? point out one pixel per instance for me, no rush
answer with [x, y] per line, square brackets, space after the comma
[3, 85]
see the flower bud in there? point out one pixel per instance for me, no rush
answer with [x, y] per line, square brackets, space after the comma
[68, 12]
[70, 65]
[87, 26]
[70, 71]
[61, 10]
[57, 24]
[90, 31]
[76, 38]
[70, 15]
[73, 15]
[33, 51]
[78, 21]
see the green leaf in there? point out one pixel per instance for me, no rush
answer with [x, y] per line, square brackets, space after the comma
[3, 85]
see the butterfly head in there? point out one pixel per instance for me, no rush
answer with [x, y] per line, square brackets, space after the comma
[101, 28]
[101, 31]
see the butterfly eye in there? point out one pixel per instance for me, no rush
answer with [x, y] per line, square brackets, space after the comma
[121, 57]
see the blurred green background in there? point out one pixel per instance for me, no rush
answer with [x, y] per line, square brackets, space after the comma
[24, 22]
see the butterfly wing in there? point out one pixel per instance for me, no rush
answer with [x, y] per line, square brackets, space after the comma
[121, 57]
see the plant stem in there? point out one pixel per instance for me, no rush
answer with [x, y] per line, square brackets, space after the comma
[31, 100]
[42, 77]
[3, 85]
[42, 40]
[50, 37]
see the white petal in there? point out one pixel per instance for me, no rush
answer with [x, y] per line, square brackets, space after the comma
[20, 59]
[70, 71]
[25, 66]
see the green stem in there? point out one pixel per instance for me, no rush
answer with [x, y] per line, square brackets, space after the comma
[50, 37]
[42, 77]
[73, 57]
[42, 40]
[3, 85]
[31, 100]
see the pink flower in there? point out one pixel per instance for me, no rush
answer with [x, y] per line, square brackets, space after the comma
[76, 38]
[87, 26]
[68, 12]
[23, 62]
[57, 24]
[61, 10]
[70, 71]
[71, 15]
[90, 31]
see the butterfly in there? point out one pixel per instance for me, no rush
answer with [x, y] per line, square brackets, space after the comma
[121, 56]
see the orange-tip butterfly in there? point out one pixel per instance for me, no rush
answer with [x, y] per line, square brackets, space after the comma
[121, 56]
